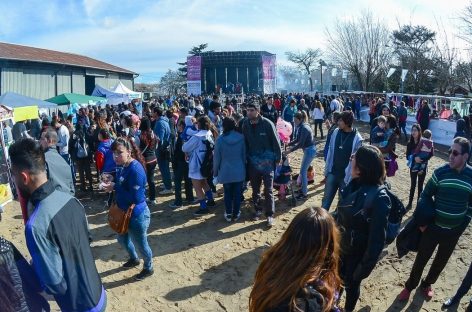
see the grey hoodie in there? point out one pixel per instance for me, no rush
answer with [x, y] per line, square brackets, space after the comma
[229, 158]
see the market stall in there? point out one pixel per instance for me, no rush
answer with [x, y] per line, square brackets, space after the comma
[26, 106]
[65, 101]
[112, 97]
[6, 115]
[122, 89]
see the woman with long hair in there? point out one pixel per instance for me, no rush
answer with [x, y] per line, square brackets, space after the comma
[148, 144]
[196, 148]
[304, 140]
[415, 177]
[362, 215]
[300, 272]
[130, 188]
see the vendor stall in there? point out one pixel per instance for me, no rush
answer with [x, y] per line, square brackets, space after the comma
[6, 115]
[112, 97]
[122, 89]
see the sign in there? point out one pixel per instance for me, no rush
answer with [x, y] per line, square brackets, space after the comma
[194, 87]
[269, 81]
[26, 112]
[194, 75]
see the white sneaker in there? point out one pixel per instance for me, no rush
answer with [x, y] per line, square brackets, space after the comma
[270, 221]
[228, 217]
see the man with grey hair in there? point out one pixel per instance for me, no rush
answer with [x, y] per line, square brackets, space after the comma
[58, 170]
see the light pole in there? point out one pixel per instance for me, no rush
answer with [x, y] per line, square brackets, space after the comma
[322, 63]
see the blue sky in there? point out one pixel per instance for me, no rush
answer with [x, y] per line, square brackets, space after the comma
[149, 37]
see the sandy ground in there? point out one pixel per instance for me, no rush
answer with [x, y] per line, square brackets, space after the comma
[207, 264]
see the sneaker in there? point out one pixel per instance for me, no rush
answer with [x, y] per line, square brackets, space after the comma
[427, 292]
[404, 295]
[228, 217]
[143, 274]
[201, 212]
[270, 221]
[301, 196]
[165, 192]
[131, 263]
[175, 206]
[257, 215]
[237, 216]
[211, 203]
[450, 302]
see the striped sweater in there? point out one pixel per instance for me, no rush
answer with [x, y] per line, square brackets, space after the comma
[452, 192]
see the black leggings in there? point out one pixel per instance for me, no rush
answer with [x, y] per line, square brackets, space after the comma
[413, 177]
[319, 124]
[150, 169]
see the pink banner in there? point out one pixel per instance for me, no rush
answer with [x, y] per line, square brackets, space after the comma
[194, 68]
[268, 67]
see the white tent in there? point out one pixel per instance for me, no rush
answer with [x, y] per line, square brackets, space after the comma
[122, 89]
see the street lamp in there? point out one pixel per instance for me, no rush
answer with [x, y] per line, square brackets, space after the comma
[322, 63]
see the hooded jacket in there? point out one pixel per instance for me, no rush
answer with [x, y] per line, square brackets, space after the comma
[196, 149]
[104, 157]
[229, 159]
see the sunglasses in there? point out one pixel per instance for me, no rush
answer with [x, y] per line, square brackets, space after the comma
[454, 152]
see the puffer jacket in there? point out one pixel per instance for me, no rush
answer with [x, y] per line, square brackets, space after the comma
[196, 149]
[363, 229]
[18, 281]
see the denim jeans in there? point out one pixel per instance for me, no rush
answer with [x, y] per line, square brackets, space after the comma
[332, 185]
[181, 174]
[232, 197]
[150, 180]
[309, 154]
[137, 235]
[256, 179]
[165, 172]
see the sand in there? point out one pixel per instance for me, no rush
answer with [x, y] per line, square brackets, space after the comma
[206, 264]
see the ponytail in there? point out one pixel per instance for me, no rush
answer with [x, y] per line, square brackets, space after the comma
[130, 145]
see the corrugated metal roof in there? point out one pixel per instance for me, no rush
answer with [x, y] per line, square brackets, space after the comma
[10, 51]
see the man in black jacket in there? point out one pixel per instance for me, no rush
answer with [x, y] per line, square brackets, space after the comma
[263, 153]
[56, 234]
[268, 110]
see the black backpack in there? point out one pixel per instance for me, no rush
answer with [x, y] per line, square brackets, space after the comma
[395, 216]
[206, 169]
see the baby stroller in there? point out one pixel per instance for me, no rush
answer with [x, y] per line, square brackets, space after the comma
[283, 181]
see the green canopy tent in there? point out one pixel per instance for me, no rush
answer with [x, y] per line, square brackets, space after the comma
[71, 98]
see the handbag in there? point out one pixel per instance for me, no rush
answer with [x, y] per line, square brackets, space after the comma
[118, 219]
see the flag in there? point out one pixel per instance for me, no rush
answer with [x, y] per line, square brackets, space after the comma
[404, 72]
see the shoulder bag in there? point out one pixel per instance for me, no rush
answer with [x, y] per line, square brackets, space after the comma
[118, 219]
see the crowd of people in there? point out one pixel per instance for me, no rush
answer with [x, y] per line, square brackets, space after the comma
[204, 141]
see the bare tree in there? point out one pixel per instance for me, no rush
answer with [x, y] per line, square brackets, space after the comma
[306, 61]
[445, 60]
[172, 83]
[466, 21]
[361, 46]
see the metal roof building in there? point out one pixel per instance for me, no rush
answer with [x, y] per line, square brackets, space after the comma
[43, 74]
